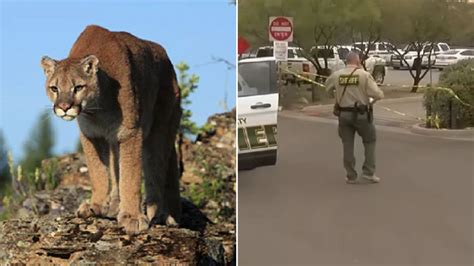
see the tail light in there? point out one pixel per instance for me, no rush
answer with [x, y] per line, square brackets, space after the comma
[305, 68]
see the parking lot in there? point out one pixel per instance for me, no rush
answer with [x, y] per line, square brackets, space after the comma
[301, 212]
[402, 77]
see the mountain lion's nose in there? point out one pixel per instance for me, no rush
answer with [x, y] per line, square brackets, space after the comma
[64, 106]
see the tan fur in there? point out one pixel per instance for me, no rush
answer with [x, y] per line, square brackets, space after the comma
[124, 94]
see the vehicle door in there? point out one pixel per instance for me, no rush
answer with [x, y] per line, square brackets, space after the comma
[257, 113]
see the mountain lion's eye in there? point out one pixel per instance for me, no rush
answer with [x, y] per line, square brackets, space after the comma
[78, 88]
[54, 89]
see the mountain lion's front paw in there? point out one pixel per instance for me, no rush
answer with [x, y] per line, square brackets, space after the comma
[171, 222]
[87, 210]
[110, 208]
[132, 224]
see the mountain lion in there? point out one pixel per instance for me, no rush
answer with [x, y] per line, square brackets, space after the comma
[124, 94]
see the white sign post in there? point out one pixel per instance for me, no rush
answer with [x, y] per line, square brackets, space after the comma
[280, 50]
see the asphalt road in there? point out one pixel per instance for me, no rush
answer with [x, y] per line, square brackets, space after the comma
[402, 77]
[301, 212]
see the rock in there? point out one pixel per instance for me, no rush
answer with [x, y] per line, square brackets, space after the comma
[103, 245]
[24, 213]
[212, 204]
[159, 244]
[22, 244]
[45, 230]
[215, 252]
[83, 170]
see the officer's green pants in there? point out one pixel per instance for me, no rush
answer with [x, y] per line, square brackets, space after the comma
[349, 123]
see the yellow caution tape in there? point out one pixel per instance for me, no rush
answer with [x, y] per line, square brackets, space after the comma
[448, 90]
[304, 78]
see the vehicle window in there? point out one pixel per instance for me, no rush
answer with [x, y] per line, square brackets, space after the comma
[299, 53]
[360, 46]
[265, 52]
[390, 47]
[372, 47]
[410, 48]
[291, 53]
[325, 53]
[256, 78]
[427, 49]
[382, 47]
[468, 52]
[444, 47]
[342, 53]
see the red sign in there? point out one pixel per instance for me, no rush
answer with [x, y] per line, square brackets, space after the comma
[242, 45]
[280, 29]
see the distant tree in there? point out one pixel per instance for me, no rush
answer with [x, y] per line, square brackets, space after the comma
[317, 30]
[461, 23]
[423, 23]
[325, 23]
[188, 84]
[318, 24]
[39, 145]
[4, 171]
[367, 28]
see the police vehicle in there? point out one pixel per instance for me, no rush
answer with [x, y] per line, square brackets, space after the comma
[257, 112]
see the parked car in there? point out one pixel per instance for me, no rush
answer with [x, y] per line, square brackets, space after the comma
[374, 65]
[296, 63]
[336, 59]
[327, 55]
[452, 57]
[377, 49]
[410, 54]
[258, 108]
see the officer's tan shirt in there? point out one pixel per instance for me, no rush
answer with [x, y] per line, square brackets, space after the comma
[360, 86]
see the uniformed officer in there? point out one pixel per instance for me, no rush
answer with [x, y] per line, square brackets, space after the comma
[356, 91]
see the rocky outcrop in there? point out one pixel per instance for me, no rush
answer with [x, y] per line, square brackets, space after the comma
[44, 229]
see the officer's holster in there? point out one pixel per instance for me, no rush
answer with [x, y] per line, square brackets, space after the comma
[360, 109]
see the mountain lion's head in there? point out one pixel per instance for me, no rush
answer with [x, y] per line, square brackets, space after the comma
[70, 83]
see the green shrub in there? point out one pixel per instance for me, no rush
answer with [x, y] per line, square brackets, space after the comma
[443, 110]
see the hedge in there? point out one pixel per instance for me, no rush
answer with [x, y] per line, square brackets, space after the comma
[443, 110]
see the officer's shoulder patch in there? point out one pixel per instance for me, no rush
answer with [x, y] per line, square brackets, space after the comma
[349, 80]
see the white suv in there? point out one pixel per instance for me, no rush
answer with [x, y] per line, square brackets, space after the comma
[377, 49]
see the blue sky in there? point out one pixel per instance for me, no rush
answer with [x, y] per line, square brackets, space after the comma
[191, 31]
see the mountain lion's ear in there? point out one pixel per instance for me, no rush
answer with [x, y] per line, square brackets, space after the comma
[90, 64]
[48, 65]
